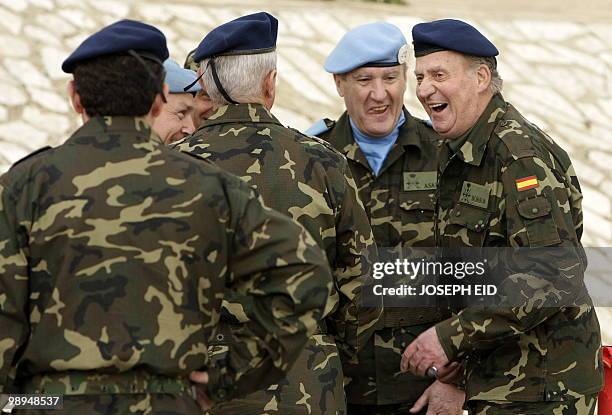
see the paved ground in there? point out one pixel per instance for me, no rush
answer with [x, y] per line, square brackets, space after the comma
[556, 58]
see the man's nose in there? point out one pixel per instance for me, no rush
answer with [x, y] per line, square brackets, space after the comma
[425, 89]
[188, 125]
[378, 92]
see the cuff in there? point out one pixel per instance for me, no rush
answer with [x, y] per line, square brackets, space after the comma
[451, 337]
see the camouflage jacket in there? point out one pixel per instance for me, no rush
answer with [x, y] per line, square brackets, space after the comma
[306, 179]
[119, 250]
[400, 203]
[507, 184]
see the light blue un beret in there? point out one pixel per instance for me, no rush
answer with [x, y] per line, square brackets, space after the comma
[375, 44]
[178, 78]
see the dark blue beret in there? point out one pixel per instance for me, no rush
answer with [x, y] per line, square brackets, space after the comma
[450, 34]
[119, 37]
[254, 33]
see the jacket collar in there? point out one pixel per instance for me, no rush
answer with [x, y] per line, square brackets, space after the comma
[241, 113]
[342, 139]
[470, 147]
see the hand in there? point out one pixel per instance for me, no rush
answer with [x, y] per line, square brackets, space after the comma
[203, 400]
[440, 399]
[423, 353]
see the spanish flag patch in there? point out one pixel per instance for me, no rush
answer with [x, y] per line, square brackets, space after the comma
[526, 183]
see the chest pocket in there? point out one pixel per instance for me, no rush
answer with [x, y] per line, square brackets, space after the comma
[467, 225]
[538, 220]
[417, 200]
[416, 213]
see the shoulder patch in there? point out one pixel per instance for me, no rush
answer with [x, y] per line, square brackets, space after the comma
[320, 127]
[32, 154]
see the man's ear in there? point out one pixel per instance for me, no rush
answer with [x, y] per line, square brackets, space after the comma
[483, 76]
[158, 103]
[75, 98]
[269, 89]
[339, 81]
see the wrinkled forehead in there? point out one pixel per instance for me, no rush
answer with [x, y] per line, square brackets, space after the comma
[442, 60]
[182, 100]
[375, 71]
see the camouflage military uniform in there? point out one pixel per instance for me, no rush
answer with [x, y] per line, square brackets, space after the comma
[400, 204]
[524, 355]
[115, 254]
[306, 179]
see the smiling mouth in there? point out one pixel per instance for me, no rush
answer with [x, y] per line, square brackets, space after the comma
[378, 110]
[438, 107]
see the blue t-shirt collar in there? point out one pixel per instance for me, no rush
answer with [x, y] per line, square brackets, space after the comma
[376, 149]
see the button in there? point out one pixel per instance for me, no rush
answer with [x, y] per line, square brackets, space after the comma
[220, 337]
[477, 227]
[534, 210]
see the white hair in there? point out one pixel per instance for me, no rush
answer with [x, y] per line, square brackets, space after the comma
[497, 82]
[240, 75]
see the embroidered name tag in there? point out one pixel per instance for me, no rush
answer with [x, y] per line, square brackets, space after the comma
[475, 195]
[424, 180]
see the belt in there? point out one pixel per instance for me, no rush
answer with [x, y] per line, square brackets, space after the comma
[95, 383]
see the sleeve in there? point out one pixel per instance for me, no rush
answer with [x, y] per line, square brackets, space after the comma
[282, 280]
[354, 322]
[14, 324]
[542, 272]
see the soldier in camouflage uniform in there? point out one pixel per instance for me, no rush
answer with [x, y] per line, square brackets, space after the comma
[392, 156]
[116, 252]
[297, 175]
[505, 183]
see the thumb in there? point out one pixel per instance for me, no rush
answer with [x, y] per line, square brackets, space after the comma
[420, 403]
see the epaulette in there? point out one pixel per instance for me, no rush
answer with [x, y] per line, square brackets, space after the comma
[519, 144]
[320, 127]
[32, 154]
[316, 139]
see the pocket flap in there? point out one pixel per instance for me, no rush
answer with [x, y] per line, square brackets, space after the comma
[417, 200]
[534, 207]
[470, 217]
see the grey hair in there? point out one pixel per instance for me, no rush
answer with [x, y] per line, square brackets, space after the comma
[497, 82]
[240, 75]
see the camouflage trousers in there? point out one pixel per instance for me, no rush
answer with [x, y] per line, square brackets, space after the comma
[314, 386]
[585, 405]
[119, 404]
[376, 380]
